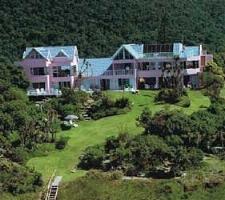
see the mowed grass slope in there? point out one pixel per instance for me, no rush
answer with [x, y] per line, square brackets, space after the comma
[95, 132]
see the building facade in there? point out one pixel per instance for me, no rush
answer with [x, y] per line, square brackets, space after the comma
[50, 68]
[133, 66]
[140, 66]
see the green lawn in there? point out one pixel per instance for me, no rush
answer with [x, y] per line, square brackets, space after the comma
[94, 132]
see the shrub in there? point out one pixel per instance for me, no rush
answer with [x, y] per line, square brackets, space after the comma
[61, 143]
[92, 158]
[122, 103]
[17, 179]
[97, 95]
[168, 96]
[69, 109]
[104, 107]
[19, 155]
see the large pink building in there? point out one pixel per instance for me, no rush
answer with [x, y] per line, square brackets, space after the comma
[134, 66]
[50, 68]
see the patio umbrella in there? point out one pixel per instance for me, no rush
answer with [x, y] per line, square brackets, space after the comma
[71, 117]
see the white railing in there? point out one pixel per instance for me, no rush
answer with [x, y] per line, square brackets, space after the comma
[158, 54]
[118, 72]
[42, 92]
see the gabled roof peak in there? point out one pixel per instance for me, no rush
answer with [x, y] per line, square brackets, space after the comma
[50, 52]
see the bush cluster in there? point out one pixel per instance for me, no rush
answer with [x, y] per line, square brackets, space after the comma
[171, 143]
[150, 155]
[70, 103]
[172, 96]
[104, 106]
[17, 179]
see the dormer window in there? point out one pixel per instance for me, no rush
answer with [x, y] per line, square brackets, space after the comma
[34, 55]
[61, 54]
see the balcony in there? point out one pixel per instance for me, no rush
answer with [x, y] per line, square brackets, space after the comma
[122, 72]
[158, 55]
[150, 73]
[42, 92]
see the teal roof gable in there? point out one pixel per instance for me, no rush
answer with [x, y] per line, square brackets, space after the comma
[52, 51]
[137, 50]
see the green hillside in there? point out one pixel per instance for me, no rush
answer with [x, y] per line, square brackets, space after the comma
[99, 27]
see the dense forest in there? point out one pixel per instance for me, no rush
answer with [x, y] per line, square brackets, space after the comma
[99, 27]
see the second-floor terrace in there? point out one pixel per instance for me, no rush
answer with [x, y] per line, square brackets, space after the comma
[55, 71]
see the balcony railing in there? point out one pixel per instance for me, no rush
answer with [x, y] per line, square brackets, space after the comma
[42, 92]
[122, 72]
[158, 54]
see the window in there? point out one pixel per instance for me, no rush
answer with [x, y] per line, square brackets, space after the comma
[64, 84]
[61, 71]
[124, 54]
[38, 71]
[128, 56]
[61, 54]
[38, 85]
[74, 70]
[34, 55]
[123, 83]
[119, 55]
[195, 64]
[192, 64]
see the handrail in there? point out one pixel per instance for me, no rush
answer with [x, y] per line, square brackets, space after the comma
[49, 184]
[118, 72]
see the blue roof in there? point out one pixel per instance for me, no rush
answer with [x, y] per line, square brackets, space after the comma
[53, 51]
[97, 66]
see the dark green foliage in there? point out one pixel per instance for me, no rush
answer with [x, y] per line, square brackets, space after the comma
[92, 158]
[150, 155]
[186, 158]
[168, 96]
[122, 103]
[173, 96]
[104, 106]
[213, 80]
[61, 143]
[12, 74]
[105, 25]
[17, 179]
[70, 103]
[203, 129]
[23, 125]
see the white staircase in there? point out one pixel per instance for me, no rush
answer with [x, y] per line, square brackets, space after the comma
[53, 189]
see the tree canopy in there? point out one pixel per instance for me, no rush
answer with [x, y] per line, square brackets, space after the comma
[99, 27]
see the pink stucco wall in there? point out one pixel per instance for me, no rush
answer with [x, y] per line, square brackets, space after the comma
[49, 80]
